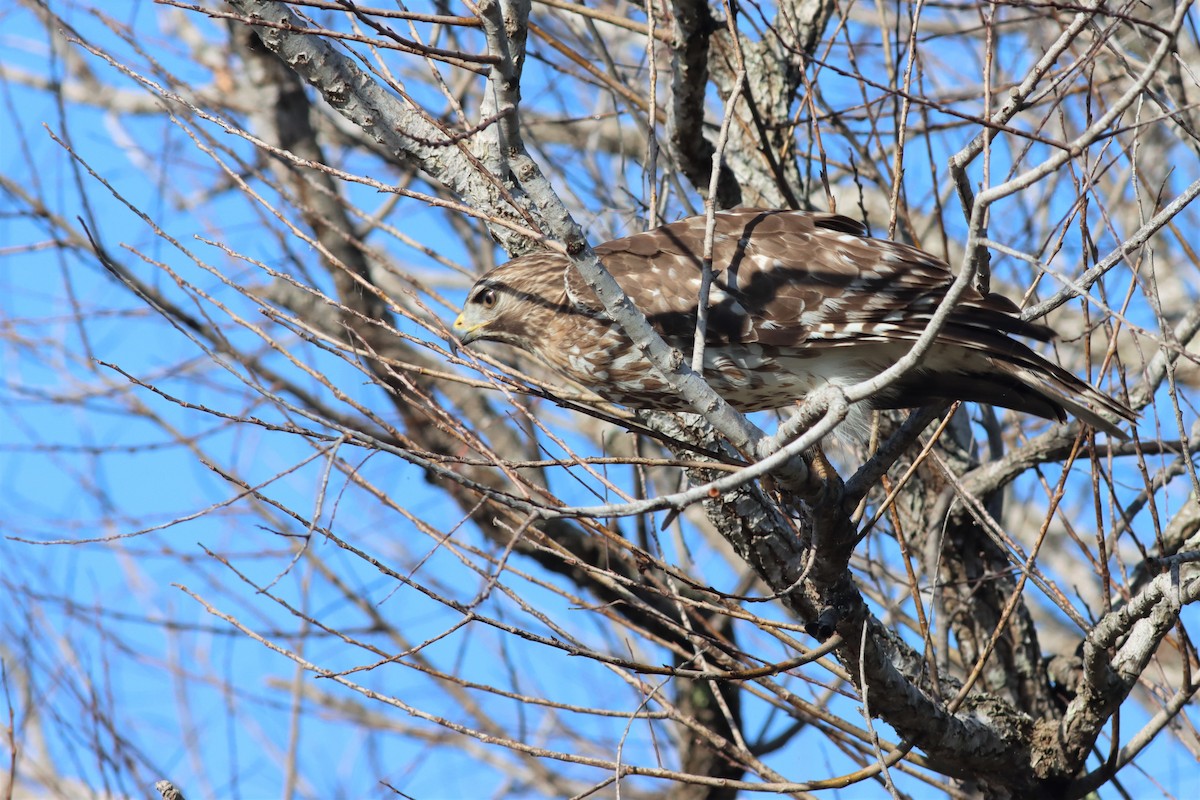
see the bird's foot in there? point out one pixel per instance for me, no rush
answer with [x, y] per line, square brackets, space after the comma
[816, 485]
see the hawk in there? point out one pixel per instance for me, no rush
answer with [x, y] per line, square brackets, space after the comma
[798, 300]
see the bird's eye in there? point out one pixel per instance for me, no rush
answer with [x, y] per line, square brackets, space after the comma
[486, 298]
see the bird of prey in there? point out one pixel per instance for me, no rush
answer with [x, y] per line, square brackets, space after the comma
[797, 300]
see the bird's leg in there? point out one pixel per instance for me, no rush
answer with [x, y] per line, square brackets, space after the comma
[819, 464]
[820, 485]
[819, 481]
[824, 476]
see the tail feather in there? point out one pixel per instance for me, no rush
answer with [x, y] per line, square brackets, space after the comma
[1028, 383]
[1071, 395]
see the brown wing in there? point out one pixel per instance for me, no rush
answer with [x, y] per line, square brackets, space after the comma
[790, 278]
[660, 271]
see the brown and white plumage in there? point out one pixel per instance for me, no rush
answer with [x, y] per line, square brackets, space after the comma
[797, 300]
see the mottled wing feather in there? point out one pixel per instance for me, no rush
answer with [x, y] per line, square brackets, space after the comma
[660, 271]
[787, 279]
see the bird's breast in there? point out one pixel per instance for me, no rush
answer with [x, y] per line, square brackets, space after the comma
[750, 376]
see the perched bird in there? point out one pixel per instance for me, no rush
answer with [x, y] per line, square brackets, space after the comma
[797, 300]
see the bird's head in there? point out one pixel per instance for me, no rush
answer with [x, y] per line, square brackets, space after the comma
[514, 304]
[481, 313]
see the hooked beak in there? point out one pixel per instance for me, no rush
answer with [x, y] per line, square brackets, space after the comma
[464, 333]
